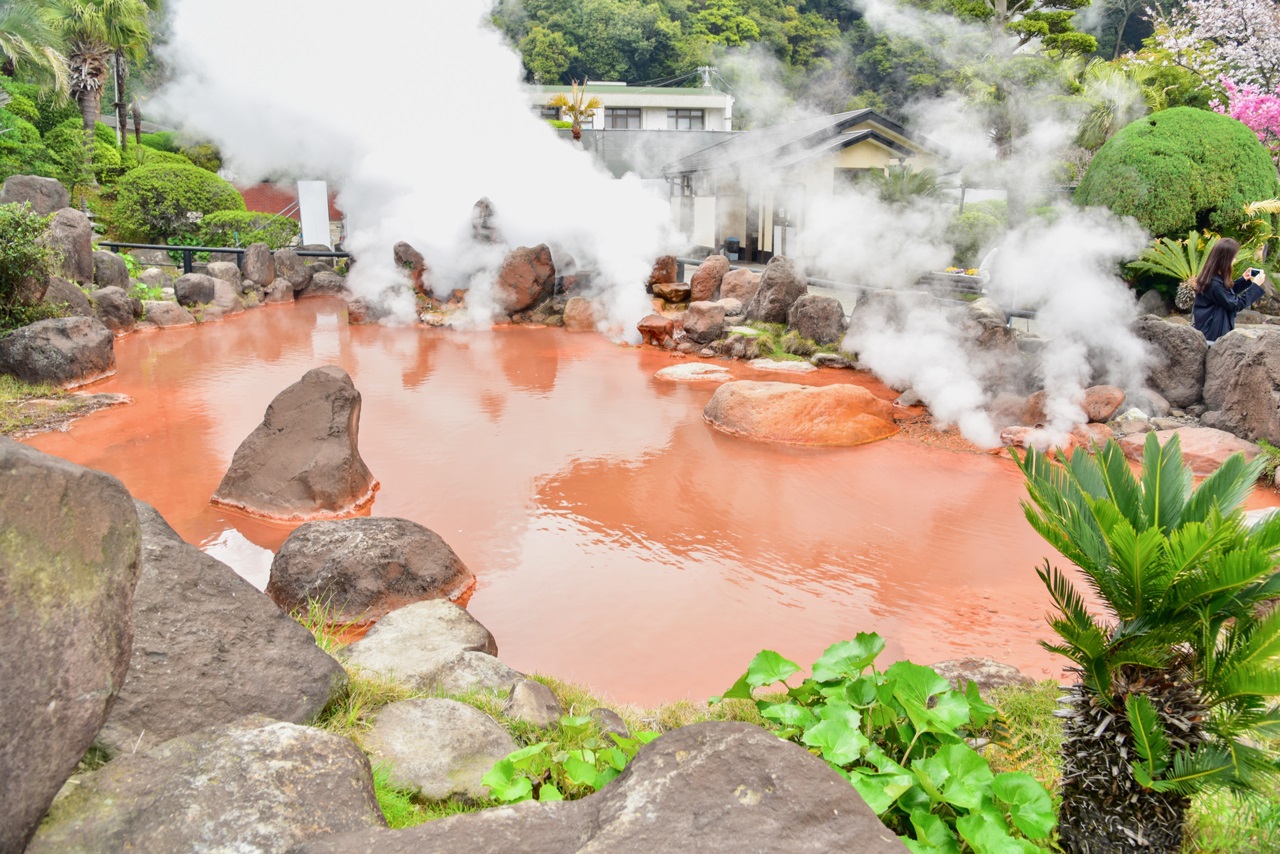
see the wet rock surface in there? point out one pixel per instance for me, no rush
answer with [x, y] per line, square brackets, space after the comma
[69, 559]
[1242, 384]
[527, 277]
[209, 648]
[194, 289]
[303, 460]
[363, 569]
[64, 351]
[581, 315]
[250, 785]
[1178, 353]
[655, 329]
[800, 415]
[1204, 449]
[781, 285]
[323, 283]
[706, 787]
[1101, 402]
[166, 313]
[675, 292]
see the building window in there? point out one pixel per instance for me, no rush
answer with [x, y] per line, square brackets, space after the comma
[551, 113]
[622, 118]
[684, 120]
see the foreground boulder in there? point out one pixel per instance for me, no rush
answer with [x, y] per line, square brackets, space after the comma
[704, 284]
[302, 461]
[69, 559]
[800, 415]
[1204, 449]
[820, 319]
[251, 785]
[45, 195]
[257, 265]
[58, 291]
[581, 315]
[110, 271]
[781, 285]
[70, 235]
[363, 569]
[665, 269]
[704, 321]
[324, 283]
[740, 284]
[195, 289]
[707, 787]
[64, 351]
[1177, 359]
[114, 308]
[166, 313]
[438, 748]
[656, 329]
[527, 276]
[432, 646]
[1242, 384]
[209, 648]
[291, 268]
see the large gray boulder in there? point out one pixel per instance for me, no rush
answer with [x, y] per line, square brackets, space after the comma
[704, 321]
[59, 291]
[365, 568]
[45, 195]
[254, 785]
[63, 351]
[291, 268]
[166, 313]
[226, 298]
[437, 748]
[110, 271]
[194, 289]
[209, 648]
[781, 285]
[114, 308]
[227, 271]
[154, 277]
[820, 319]
[1177, 359]
[432, 646]
[69, 559]
[324, 283]
[1242, 384]
[526, 277]
[713, 786]
[70, 235]
[302, 461]
[258, 266]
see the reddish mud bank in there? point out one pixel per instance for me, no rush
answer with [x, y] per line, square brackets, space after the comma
[618, 540]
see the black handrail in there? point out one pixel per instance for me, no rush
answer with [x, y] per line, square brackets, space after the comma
[189, 251]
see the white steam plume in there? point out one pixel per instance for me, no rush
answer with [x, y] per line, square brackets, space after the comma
[414, 111]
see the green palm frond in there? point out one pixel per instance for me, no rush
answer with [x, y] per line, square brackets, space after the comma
[1194, 770]
[1123, 489]
[1225, 489]
[1149, 739]
[1263, 206]
[1166, 482]
[1178, 259]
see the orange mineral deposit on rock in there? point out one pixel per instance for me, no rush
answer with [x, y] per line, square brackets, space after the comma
[799, 414]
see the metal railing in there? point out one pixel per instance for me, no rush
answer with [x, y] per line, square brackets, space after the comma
[188, 252]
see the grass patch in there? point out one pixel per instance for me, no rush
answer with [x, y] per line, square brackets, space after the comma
[16, 415]
[1221, 822]
[1273, 461]
[351, 715]
[1029, 736]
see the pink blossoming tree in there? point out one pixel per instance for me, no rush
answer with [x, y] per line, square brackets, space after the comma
[1256, 109]
[1239, 38]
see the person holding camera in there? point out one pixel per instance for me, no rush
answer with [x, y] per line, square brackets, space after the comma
[1217, 303]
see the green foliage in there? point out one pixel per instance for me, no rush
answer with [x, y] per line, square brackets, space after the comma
[1181, 170]
[162, 201]
[1180, 576]
[1179, 260]
[899, 737]
[242, 228]
[396, 803]
[574, 762]
[974, 231]
[203, 154]
[22, 152]
[106, 161]
[161, 141]
[24, 260]
[146, 292]
[141, 155]
[105, 135]
[24, 108]
[66, 145]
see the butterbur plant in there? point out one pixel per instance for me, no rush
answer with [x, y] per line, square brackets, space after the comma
[577, 764]
[900, 738]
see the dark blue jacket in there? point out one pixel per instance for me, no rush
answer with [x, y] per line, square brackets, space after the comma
[1214, 312]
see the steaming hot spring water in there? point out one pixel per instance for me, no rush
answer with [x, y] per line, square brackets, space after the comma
[618, 540]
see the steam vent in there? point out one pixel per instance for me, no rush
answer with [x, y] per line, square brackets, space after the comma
[799, 414]
[302, 461]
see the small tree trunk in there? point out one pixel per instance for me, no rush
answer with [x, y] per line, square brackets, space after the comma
[137, 123]
[122, 116]
[90, 110]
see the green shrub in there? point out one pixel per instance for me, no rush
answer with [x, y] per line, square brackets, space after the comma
[241, 228]
[973, 231]
[162, 141]
[106, 162]
[24, 108]
[141, 155]
[1180, 170]
[106, 135]
[205, 155]
[155, 203]
[21, 150]
[23, 258]
[66, 148]
[50, 111]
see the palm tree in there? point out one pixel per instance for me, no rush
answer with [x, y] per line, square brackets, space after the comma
[27, 44]
[577, 106]
[92, 31]
[898, 185]
[1177, 678]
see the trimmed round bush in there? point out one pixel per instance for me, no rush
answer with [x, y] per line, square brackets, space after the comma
[979, 227]
[106, 161]
[24, 108]
[161, 141]
[1179, 170]
[157, 202]
[242, 228]
[140, 155]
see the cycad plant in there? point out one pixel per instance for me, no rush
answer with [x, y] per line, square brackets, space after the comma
[1177, 673]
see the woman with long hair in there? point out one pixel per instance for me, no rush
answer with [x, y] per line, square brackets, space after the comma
[1216, 305]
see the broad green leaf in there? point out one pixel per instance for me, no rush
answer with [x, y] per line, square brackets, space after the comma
[959, 772]
[1149, 738]
[979, 710]
[837, 735]
[606, 776]
[581, 773]
[915, 685]
[613, 757]
[645, 737]
[1029, 805]
[506, 784]
[988, 834]
[526, 758]
[847, 659]
[879, 790]
[572, 726]
[789, 714]
[766, 668]
[549, 792]
[933, 833]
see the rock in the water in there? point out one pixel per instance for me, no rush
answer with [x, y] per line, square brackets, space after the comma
[195, 289]
[226, 300]
[704, 284]
[782, 367]
[45, 195]
[227, 272]
[438, 748]
[581, 315]
[432, 646]
[365, 568]
[279, 291]
[166, 313]
[673, 291]
[1101, 402]
[666, 269]
[114, 308]
[1204, 449]
[830, 360]
[254, 785]
[257, 265]
[695, 372]
[110, 271]
[713, 786]
[656, 329]
[800, 415]
[533, 703]
[70, 235]
[411, 261]
[209, 648]
[64, 351]
[69, 559]
[526, 277]
[988, 673]
[324, 283]
[1242, 384]
[740, 284]
[704, 321]
[302, 461]
[58, 291]
[1178, 359]
[820, 319]
[780, 286]
[291, 268]
[1154, 303]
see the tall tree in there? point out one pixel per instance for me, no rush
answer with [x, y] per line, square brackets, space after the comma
[121, 59]
[93, 30]
[27, 44]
